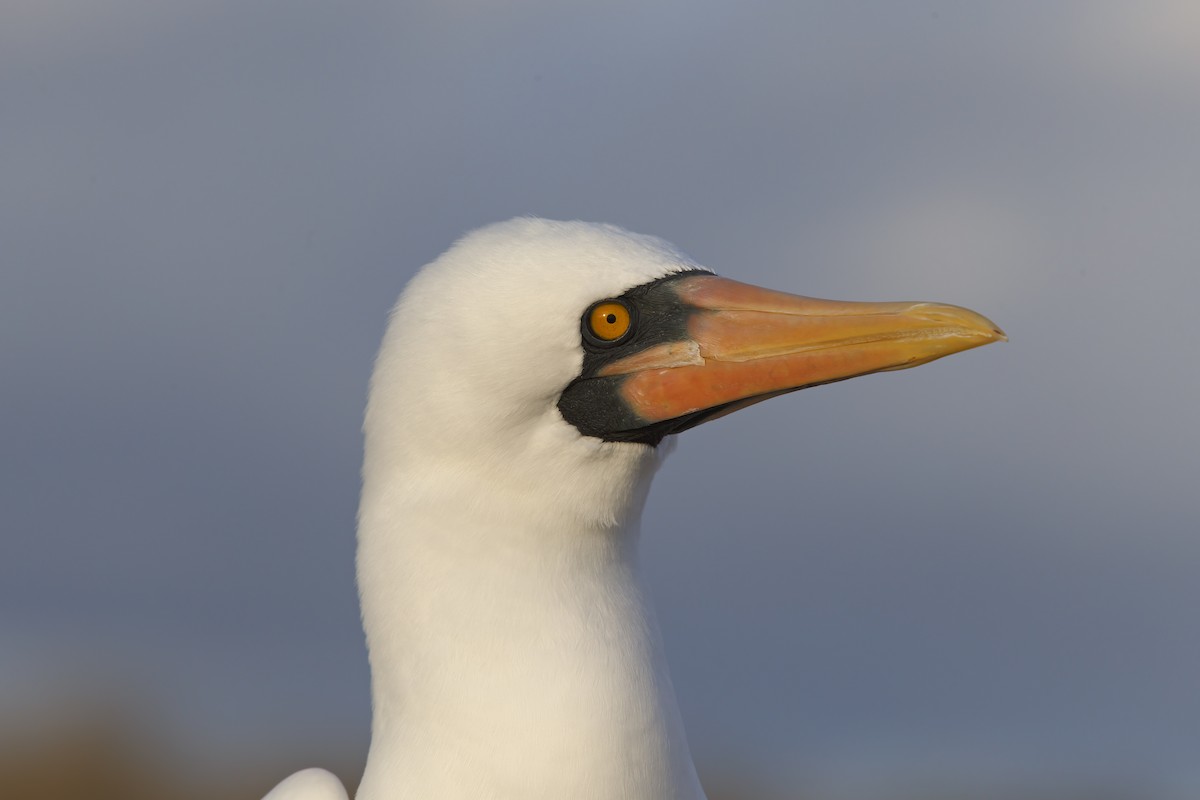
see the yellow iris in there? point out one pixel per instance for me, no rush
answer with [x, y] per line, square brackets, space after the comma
[609, 321]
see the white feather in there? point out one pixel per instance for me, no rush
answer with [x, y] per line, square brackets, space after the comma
[513, 648]
[309, 784]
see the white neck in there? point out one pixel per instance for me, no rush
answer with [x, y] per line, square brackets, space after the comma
[514, 650]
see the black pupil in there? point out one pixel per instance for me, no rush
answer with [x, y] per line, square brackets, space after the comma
[610, 318]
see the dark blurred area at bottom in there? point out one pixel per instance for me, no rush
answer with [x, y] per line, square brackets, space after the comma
[102, 754]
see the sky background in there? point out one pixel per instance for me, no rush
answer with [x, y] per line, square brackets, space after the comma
[988, 566]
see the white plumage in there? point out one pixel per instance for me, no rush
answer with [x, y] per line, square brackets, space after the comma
[309, 784]
[513, 648]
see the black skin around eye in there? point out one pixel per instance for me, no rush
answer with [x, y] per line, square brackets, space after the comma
[592, 402]
[656, 316]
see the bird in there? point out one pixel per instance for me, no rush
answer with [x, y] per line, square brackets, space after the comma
[530, 382]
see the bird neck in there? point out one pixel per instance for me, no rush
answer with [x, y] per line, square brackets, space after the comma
[514, 651]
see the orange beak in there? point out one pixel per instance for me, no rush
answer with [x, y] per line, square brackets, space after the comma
[746, 344]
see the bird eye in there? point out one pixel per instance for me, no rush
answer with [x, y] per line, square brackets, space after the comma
[607, 322]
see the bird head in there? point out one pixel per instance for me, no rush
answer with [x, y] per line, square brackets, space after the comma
[562, 354]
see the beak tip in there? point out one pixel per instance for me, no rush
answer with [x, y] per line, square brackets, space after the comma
[973, 320]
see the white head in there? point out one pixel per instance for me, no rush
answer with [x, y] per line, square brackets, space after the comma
[480, 347]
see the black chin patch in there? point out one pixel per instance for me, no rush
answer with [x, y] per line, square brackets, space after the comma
[593, 403]
[595, 407]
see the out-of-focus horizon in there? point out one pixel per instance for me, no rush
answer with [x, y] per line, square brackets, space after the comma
[982, 573]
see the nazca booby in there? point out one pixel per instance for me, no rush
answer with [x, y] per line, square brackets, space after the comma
[525, 381]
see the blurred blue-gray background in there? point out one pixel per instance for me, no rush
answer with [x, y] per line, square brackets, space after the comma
[985, 572]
